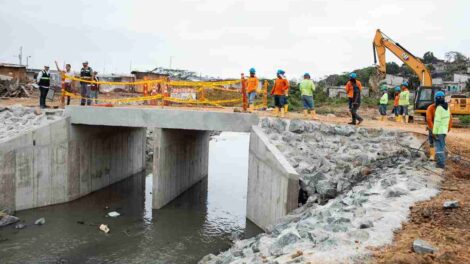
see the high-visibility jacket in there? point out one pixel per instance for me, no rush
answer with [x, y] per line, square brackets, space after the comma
[430, 112]
[384, 99]
[441, 121]
[350, 89]
[280, 86]
[252, 84]
[404, 98]
[45, 80]
[307, 87]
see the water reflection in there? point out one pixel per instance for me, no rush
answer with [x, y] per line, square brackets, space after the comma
[201, 221]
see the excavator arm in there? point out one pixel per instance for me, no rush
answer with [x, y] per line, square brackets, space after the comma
[382, 42]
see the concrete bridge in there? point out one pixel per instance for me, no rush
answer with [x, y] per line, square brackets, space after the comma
[94, 147]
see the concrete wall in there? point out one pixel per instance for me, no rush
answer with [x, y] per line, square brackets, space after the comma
[60, 162]
[273, 184]
[181, 159]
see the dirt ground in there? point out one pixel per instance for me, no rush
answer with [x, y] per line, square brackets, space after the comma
[447, 230]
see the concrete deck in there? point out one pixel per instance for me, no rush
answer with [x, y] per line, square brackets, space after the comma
[162, 118]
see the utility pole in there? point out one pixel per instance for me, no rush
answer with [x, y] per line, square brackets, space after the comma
[20, 56]
[27, 61]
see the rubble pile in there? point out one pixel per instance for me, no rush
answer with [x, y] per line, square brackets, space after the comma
[360, 184]
[17, 119]
[13, 88]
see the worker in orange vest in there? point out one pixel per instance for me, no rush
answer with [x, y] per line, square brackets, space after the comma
[251, 87]
[396, 109]
[279, 91]
[350, 88]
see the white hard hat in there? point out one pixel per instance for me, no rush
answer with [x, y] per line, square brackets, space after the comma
[85, 62]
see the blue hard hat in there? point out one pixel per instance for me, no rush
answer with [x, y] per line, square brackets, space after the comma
[280, 72]
[353, 75]
[405, 84]
[383, 87]
[397, 88]
[439, 94]
[252, 70]
[306, 74]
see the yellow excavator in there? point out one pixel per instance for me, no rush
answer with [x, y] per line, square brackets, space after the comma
[424, 95]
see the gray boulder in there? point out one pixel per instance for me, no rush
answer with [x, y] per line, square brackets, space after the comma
[344, 130]
[422, 247]
[366, 224]
[326, 189]
[451, 204]
[279, 125]
[395, 192]
[297, 126]
[8, 220]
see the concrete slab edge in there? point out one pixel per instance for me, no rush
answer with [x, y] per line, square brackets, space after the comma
[284, 164]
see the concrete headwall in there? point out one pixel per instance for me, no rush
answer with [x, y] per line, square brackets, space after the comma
[273, 184]
[181, 159]
[60, 162]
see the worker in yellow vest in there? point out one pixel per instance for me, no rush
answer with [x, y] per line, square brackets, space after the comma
[442, 119]
[383, 103]
[404, 102]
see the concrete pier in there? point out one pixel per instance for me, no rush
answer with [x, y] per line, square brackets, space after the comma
[181, 159]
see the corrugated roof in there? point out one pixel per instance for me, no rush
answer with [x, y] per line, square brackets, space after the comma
[12, 65]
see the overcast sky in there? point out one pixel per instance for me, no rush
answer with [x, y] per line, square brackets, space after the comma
[225, 37]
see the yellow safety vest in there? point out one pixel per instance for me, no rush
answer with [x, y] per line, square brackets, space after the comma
[441, 121]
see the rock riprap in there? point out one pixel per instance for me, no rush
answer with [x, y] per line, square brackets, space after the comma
[361, 183]
[17, 119]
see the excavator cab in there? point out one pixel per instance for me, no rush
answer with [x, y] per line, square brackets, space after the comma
[424, 97]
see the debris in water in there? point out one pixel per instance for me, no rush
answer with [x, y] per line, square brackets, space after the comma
[81, 222]
[40, 221]
[113, 214]
[20, 226]
[104, 228]
[8, 219]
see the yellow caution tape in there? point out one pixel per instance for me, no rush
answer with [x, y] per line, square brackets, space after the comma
[115, 100]
[171, 83]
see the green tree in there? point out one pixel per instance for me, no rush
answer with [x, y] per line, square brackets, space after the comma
[429, 58]
[392, 68]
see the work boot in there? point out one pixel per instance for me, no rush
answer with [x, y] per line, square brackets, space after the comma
[397, 119]
[251, 109]
[276, 111]
[432, 153]
[305, 113]
[359, 122]
[286, 108]
[314, 114]
[282, 112]
[407, 118]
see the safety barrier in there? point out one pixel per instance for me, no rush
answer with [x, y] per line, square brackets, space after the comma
[199, 87]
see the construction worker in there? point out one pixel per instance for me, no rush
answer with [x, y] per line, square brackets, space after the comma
[404, 102]
[383, 103]
[354, 87]
[85, 73]
[279, 92]
[307, 87]
[44, 82]
[396, 108]
[349, 87]
[430, 114]
[251, 87]
[94, 90]
[441, 126]
[68, 83]
[286, 97]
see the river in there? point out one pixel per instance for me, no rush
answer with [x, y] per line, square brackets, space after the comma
[205, 219]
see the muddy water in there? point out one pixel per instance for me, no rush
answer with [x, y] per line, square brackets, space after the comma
[203, 220]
